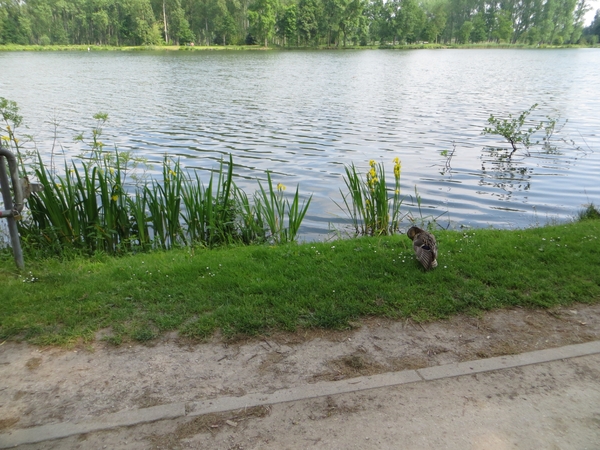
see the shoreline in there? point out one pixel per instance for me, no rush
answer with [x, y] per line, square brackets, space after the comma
[169, 48]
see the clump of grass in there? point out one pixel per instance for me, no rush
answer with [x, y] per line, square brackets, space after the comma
[93, 207]
[87, 207]
[373, 207]
[589, 213]
[272, 208]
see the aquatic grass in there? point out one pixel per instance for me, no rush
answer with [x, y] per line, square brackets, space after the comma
[85, 208]
[296, 214]
[427, 221]
[140, 233]
[164, 205]
[93, 207]
[249, 290]
[591, 212]
[368, 203]
[210, 212]
[272, 208]
[251, 224]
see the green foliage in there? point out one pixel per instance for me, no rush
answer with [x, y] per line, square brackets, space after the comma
[590, 213]
[262, 17]
[90, 208]
[516, 131]
[372, 210]
[287, 25]
[297, 22]
[464, 33]
[9, 114]
[272, 208]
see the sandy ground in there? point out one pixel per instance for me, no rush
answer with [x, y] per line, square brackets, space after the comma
[552, 406]
[50, 385]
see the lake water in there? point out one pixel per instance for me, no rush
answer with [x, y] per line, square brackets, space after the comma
[305, 114]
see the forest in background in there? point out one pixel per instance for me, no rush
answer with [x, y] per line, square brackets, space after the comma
[295, 23]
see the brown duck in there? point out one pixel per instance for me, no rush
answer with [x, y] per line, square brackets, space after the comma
[425, 247]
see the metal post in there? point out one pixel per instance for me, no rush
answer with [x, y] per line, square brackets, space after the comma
[10, 210]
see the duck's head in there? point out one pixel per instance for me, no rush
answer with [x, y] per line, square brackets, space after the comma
[412, 232]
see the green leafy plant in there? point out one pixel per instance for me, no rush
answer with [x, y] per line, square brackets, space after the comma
[514, 129]
[9, 115]
[448, 154]
[368, 203]
[272, 207]
[591, 212]
[103, 201]
[90, 208]
[210, 212]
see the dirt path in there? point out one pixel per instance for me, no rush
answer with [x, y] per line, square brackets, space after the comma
[49, 385]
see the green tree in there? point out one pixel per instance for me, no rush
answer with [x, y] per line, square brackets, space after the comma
[137, 23]
[594, 28]
[435, 22]
[333, 13]
[409, 20]
[504, 27]
[16, 25]
[479, 32]
[262, 16]
[381, 16]
[226, 27]
[464, 33]
[287, 24]
[350, 18]
[307, 20]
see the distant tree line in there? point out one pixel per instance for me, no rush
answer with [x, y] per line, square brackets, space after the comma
[592, 33]
[294, 22]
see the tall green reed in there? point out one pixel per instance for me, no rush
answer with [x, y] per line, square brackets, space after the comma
[85, 208]
[272, 207]
[93, 207]
[164, 202]
[373, 207]
[210, 212]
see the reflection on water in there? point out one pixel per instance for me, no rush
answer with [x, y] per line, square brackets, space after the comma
[303, 115]
[506, 174]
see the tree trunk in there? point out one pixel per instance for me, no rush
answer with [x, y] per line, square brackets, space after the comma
[165, 22]
[207, 39]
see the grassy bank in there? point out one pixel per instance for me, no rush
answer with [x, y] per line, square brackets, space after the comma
[257, 289]
[84, 48]
[95, 48]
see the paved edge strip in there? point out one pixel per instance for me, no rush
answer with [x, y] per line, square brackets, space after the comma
[321, 389]
[224, 404]
[108, 421]
[510, 361]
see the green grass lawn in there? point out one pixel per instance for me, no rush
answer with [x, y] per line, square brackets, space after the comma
[259, 289]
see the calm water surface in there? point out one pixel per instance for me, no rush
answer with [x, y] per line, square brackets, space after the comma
[305, 114]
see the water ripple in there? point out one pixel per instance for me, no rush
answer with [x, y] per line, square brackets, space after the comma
[304, 115]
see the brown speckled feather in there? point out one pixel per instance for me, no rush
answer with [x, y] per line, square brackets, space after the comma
[425, 247]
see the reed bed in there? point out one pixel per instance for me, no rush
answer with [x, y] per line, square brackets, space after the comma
[93, 206]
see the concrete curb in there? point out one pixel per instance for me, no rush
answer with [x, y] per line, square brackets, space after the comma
[106, 422]
[223, 404]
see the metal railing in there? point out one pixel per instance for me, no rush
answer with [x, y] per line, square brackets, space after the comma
[12, 208]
